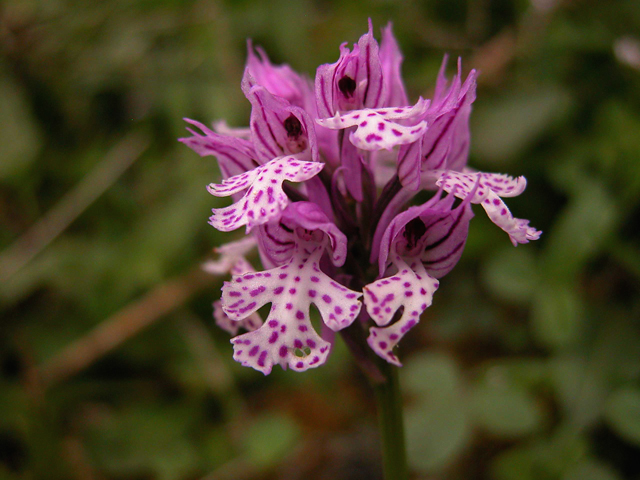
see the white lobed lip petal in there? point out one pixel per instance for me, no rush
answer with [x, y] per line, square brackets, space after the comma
[264, 198]
[287, 337]
[412, 289]
[378, 129]
[487, 190]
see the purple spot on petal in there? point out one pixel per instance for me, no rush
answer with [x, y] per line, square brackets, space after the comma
[262, 358]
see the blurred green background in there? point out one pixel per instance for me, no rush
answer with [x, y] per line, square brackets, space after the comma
[527, 366]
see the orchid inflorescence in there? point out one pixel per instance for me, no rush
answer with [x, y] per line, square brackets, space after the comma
[343, 230]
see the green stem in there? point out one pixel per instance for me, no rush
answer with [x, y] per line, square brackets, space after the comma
[389, 400]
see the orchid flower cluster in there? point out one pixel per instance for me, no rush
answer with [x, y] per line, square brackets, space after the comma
[344, 229]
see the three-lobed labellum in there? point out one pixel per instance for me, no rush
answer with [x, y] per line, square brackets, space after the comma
[287, 337]
[376, 129]
[490, 187]
[412, 289]
[264, 198]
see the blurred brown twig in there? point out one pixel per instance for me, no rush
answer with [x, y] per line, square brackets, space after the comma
[71, 206]
[123, 325]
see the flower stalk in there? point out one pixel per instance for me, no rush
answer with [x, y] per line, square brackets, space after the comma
[391, 424]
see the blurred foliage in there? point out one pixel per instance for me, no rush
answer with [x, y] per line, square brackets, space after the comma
[527, 366]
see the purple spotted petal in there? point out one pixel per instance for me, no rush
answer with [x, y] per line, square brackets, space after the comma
[280, 80]
[391, 63]
[251, 323]
[235, 155]
[411, 289]
[277, 127]
[232, 261]
[490, 188]
[239, 267]
[376, 129]
[264, 198]
[287, 338]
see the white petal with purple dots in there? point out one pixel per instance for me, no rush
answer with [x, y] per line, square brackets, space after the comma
[378, 128]
[412, 289]
[264, 198]
[490, 187]
[287, 337]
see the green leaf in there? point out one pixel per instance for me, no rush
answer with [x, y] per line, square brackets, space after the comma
[143, 439]
[504, 410]
[546, 458]
[432, 375]
[19, 138]
[511, 274]
[516, 464]
[556, 315]
[591, 470]
[579, 389]
[270, 439]
[582, 227]
[504, 128]
[437, 432]
[437, 424]
[622, 413]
